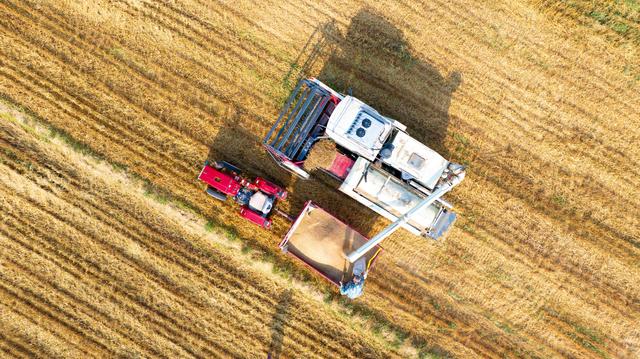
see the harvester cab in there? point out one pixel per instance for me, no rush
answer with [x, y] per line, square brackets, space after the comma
[256, 198]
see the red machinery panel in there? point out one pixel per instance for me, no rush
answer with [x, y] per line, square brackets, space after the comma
[221, 181]
[255, 217]
[270, 188]
[341, 166]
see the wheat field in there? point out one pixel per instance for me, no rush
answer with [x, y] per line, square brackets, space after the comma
[84, 275]
[540, 99]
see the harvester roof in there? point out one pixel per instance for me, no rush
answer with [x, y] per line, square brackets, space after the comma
[362, 130]
[358, 127]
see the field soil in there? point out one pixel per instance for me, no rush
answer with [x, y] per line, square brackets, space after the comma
[540, 99]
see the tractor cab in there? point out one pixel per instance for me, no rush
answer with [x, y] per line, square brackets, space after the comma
[256, 198]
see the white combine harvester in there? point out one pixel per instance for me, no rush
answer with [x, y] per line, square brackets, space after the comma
[377, 162]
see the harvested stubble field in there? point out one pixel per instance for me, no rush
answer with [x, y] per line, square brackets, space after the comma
[91, 266]
[540, 99]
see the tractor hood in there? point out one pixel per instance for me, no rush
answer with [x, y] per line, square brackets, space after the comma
[358, 127]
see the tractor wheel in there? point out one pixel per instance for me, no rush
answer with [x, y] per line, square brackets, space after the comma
[266, 224]
[216, 194]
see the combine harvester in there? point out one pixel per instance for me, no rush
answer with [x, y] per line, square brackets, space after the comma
[377, 163]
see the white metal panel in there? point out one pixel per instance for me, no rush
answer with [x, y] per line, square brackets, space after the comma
[381, 192]
[422, 163]
[397, 124]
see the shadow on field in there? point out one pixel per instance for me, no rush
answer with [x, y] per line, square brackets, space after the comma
[278, 324]
[375, 63]
[242, 148]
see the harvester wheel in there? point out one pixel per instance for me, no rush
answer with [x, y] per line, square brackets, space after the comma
[216, 194]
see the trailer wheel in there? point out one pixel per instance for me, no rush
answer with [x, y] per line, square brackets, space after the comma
[216, 194]
[266, 224]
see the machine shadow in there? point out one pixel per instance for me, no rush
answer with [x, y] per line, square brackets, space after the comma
[374, 62]
[278, 324]
[241, 147]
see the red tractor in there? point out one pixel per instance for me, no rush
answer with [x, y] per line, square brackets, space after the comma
[257, 198]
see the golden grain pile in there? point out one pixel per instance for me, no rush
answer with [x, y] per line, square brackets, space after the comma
[321, 156]
[540, 99]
